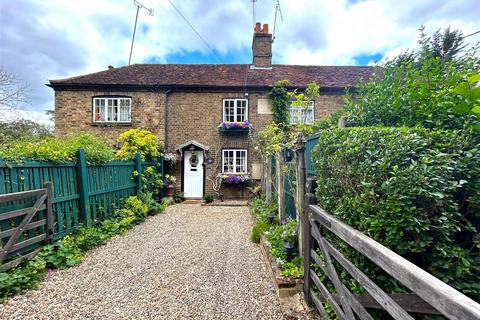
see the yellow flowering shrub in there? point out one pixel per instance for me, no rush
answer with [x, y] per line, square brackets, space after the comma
[139, 141]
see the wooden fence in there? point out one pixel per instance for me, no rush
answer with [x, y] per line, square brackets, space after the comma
[428, 294]
[34, 227]
[82, 193]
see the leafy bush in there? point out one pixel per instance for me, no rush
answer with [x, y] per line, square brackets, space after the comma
[424, 88]
[413, 190]
[139, 141]
[208, 198]
[64, 149]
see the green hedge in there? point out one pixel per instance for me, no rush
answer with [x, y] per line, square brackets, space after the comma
[413, 190]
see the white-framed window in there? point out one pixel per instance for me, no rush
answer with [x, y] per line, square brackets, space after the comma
[112, 109]
[235, 110]
[234, 161]
[302, 114]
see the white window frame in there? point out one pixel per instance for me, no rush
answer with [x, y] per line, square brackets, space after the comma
[106, 109]
[295, 110]
[235, 115]
[245, 166]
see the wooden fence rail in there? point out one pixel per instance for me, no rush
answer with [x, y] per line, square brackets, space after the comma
[33, 228]
[426, 289]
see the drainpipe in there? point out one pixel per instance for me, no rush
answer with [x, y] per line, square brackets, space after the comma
[165, 120]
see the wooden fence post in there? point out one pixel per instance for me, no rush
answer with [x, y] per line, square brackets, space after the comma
[307, 247]
[301, 179]
[139, 169]
[280, 185]
[83, 187]
[268, 179]
[48, 220]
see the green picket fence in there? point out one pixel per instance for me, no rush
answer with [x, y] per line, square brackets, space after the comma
[83, 194]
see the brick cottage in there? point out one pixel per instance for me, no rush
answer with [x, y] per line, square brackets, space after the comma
[191, 107]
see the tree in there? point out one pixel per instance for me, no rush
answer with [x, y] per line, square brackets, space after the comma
[23, 130]
[433, 87]
[12, 91]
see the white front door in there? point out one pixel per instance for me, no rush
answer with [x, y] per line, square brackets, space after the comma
[193, 174]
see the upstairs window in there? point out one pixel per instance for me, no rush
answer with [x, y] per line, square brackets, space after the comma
[302, 114]
[112, 109]
[234, 161]
[235, 110]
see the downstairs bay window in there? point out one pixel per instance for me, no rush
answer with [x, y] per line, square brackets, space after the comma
[112, 110]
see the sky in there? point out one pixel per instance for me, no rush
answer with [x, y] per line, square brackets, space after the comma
[54, 39]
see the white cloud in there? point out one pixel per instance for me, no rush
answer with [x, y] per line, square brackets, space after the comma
[44, 40]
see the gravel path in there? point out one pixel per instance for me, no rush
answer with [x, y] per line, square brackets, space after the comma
[193, 262]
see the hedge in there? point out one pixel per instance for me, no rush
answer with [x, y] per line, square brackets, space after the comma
[415, 191]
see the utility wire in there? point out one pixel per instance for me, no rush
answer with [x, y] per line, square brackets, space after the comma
[471, 34]
[196, 32]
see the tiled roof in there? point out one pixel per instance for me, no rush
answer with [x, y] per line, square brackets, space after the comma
[219, 75]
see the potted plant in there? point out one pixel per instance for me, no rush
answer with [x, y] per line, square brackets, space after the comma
[289, 236]
[170, 182]
[171, 159]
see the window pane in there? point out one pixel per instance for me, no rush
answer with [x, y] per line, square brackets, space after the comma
[229, 110]
[99, 113]
[241, 110]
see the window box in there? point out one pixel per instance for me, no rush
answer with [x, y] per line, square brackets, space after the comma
[235, 128]
[234, 178]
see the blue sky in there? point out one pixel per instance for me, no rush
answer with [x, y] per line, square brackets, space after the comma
[54, 39]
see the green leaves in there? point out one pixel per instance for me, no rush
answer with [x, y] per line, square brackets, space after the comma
[414, 190]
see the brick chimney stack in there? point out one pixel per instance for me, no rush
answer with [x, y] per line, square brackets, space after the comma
[262, 47]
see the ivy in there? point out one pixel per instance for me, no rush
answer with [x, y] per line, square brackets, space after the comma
[280, 100]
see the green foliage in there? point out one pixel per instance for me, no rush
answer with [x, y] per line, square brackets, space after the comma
[23, 130]
[431, 88]
[415, 191]
[208, 198]
[153, 206]
[69, 250]
[280, 100]
[274, 138]
[26, 276]
[276, 235]
[139, 141]
[258, 229]
[64, 149]
[256, 191]
[152, 180]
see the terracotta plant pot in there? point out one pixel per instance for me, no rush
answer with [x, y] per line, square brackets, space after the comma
[170, 190]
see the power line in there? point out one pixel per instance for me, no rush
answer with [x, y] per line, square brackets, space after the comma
[194, 30]
[471, 34]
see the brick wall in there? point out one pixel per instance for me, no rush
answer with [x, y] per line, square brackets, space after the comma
[191, 116]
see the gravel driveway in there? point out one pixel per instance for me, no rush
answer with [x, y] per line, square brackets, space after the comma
[193, 262]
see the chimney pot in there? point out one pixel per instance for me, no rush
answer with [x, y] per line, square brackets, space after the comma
[258, 25]
[265, 28]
